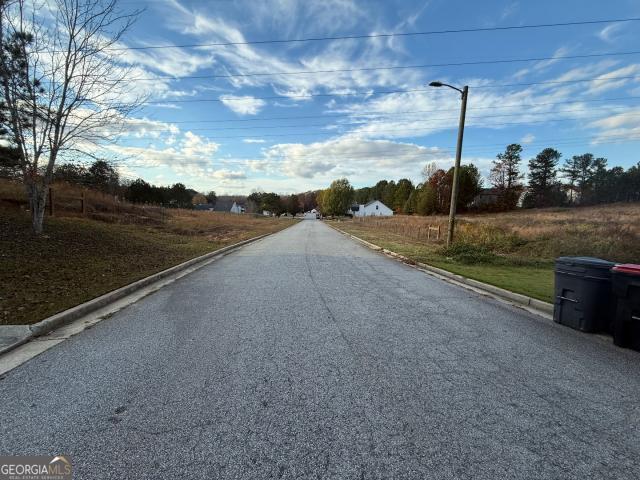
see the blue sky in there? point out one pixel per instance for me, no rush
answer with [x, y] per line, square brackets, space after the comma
[222, 134]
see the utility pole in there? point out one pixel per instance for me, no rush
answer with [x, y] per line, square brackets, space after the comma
[456, 169]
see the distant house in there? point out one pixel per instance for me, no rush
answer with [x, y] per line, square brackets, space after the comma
[229, 205]
[266, 213]
[237, 208]
[487, 196]
[206, 207]
[374, 208]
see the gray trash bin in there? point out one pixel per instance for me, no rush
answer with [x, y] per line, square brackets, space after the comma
[583, 294]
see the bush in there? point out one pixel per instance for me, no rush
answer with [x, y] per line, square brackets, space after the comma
[468, 253]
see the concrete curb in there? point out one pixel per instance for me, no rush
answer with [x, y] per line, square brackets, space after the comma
[20, 333]
[67, 316]
[543, 308]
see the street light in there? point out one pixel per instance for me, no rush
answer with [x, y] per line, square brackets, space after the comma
[456, 170]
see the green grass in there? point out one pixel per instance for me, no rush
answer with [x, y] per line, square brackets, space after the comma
[79, 259]
[528, 277]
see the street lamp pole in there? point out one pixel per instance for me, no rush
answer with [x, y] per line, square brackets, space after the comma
[456, 169]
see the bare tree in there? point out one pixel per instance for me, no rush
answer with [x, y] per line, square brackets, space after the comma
[428, 170]
[63, 89]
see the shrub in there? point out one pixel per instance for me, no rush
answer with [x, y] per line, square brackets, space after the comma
[468, 253]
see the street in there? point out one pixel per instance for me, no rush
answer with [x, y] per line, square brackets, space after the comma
[306, 355]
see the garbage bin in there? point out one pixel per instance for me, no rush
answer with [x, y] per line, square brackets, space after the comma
[626, 288]
[583, 297]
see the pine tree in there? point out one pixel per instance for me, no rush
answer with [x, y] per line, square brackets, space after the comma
[505, 175]
[542, 177]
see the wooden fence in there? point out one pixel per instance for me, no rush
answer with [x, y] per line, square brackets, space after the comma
[405, 226]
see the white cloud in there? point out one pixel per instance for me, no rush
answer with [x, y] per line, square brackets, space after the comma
[528, 138]
[243, 59]
[243, 105]
[609, 32]
[608, 80]
[194, 145]
[225, 174]
[254, 140]
[619, 126]
[344, 155]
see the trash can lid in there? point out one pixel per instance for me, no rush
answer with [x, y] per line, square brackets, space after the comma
[630, 268]
[589, 261]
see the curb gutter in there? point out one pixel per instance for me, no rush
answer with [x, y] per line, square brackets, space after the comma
[538, 306]
[67, 316]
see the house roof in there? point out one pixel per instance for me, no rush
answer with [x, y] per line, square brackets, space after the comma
[223, 205]
[374, 201]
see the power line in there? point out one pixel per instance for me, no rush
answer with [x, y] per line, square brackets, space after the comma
[369, 155]
[368, 93]
[466, 151]
[469, 120]
[360, 114]
[382, 35]
[391, 67]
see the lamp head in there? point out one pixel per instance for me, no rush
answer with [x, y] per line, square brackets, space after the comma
[435, 84]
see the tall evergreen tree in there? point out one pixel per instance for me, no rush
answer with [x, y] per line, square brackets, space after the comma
[542, 177]
[505, 175]
[401, 195]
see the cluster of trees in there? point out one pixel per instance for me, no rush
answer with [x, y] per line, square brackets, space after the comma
[336, 199]
[431, 196]
[102, 176]
[580, 180]
[278, 204]
[176, 195]
[587, 181]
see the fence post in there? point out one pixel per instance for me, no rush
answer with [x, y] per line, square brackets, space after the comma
[84, 203]
[51, 208]
[438, 232]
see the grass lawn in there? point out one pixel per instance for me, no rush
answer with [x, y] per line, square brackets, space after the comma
[79, 259]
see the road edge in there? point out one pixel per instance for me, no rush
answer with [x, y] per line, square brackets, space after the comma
[533, 305]
[65, 317]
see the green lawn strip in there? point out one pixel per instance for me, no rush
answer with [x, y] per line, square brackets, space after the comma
[535, 281]
[77, 260]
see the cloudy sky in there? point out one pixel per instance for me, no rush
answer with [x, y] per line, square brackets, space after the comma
[292, 116]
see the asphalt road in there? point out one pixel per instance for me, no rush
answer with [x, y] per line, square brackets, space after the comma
[305, 355]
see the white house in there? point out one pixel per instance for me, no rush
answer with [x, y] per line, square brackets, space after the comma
[237, 208]
[374, 208]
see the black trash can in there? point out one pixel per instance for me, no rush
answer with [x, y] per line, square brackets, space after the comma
[583, 297]
[626, 287]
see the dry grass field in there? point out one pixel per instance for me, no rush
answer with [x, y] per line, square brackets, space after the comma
[81, 258]
[512, 250]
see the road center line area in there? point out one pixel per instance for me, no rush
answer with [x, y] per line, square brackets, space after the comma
[307, 355]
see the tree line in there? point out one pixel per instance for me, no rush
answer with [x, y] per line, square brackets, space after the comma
[428, 197]
[579, 180]
[103, 176]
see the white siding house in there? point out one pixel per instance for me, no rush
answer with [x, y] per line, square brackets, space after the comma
[237, 208]
[372, 209]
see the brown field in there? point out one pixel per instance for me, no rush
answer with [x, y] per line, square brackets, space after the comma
[512, 250]
[79, 258]
[608, 231]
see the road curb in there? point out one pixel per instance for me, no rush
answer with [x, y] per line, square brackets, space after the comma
[67, 316]
[542, 308]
